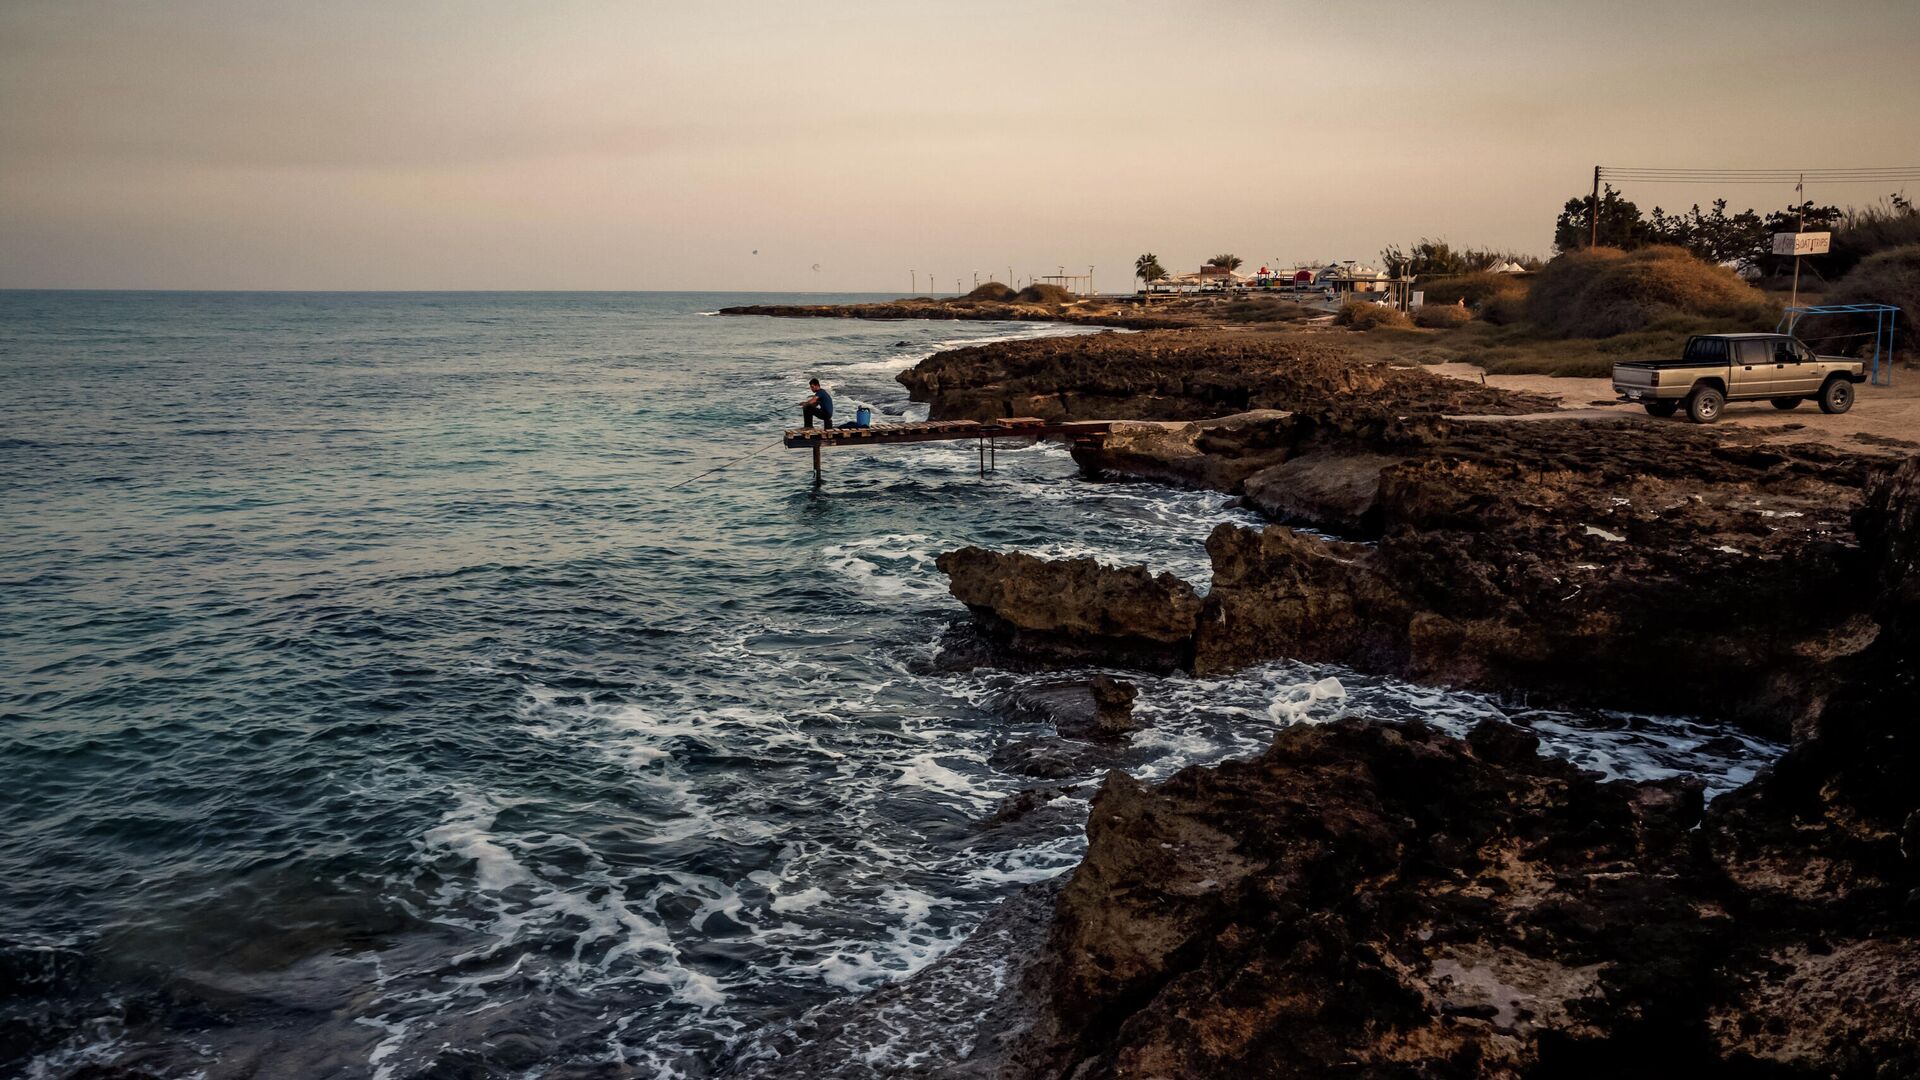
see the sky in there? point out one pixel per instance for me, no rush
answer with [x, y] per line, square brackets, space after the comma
[191, 144]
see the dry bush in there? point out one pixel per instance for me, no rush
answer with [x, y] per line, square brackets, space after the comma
[1890, 277]
[1602, 292]
[1267, 310]
[992, 290]
[1045, 294]
[1442, 316]
[1475, 289]
[1505, 309]
[1361, 315]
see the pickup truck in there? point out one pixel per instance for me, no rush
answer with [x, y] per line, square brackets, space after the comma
[1718, 368]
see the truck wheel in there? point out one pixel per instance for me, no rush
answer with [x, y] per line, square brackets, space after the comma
[1836, 396]
[1785, 403]
[1663, 408]
[1704, 405]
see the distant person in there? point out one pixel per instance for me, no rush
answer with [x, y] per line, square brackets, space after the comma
[820, 405]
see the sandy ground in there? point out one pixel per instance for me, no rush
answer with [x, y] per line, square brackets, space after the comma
[1884, 419]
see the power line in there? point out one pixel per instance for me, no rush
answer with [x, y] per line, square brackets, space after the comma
[1888, 174]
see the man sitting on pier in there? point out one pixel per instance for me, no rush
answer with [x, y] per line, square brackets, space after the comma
[820, 405]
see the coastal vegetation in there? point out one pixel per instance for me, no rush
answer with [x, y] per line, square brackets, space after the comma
[1604, 292]
[1742, 238]
[1434, 316]
[996, 291]
[1437, 258]
[1361, 315]
[1225, 262]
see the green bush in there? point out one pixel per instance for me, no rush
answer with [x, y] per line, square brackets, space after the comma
[1361, 315]
[1602, 292]
[1442, 316]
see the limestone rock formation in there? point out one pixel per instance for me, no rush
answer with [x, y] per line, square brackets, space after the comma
[1075, 610]
[1180, 375]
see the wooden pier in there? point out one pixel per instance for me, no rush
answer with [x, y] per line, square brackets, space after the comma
[1026, 428]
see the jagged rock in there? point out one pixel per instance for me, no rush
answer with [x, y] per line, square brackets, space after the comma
[1385, 901]
[1216, 454]
[1181, 375]
[1070, 611]
[1331, 491]
[1024, 803]
[1835, 818]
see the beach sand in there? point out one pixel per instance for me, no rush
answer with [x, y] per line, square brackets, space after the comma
[1884, 419]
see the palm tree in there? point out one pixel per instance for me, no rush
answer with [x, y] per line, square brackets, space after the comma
[1225, 262]
[1148, 269]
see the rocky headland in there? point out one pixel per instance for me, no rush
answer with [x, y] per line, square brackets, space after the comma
[972, 310]
[1379, 901]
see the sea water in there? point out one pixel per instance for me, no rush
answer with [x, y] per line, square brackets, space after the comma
[382, 682]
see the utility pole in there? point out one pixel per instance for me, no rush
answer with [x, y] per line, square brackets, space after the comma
[1593, 212]
[1800, 199]
[915, 287]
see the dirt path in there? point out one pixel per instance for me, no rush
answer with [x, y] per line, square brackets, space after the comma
[1884, 419]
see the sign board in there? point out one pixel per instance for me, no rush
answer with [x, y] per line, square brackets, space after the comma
[1802, 243]
[1420, 298]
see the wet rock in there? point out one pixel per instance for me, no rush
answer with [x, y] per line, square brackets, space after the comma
[1046, 759]
[1099, 708]
[1071, 611]
[1024, 803]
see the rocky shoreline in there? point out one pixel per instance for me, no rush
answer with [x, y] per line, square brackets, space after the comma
[1389, 901]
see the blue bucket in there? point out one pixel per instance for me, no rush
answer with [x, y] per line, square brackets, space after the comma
[863, 417]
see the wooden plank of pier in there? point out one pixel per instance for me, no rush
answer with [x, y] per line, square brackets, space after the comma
[1021, 427]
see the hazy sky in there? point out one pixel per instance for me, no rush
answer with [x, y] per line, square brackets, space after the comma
[404, 145]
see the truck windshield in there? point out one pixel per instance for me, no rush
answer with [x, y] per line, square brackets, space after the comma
[1707, 348]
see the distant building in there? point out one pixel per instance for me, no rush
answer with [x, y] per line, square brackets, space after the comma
[1353, 277]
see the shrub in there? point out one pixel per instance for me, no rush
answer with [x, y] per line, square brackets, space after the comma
[1475, 289]
[1361, 315]
[1442, 316]
[1891, 277]
[1045, 294]
[1505, 309]
[1601, 292]
[1868, 231]
[992, 290]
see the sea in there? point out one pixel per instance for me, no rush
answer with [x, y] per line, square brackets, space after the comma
[417, 684]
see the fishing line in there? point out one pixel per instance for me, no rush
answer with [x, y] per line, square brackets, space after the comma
[728, 464]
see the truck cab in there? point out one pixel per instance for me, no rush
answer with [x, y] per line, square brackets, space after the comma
[1717, 368]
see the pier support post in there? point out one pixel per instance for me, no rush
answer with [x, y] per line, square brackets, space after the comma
[818, 479]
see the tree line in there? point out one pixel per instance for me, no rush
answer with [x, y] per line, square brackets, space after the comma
[1743, 238]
